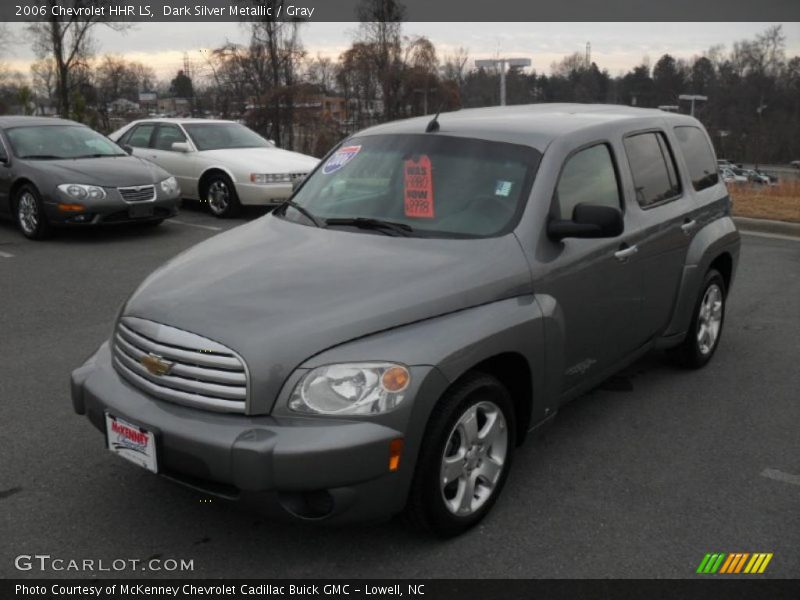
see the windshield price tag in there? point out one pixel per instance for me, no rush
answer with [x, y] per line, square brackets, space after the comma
[418, 189]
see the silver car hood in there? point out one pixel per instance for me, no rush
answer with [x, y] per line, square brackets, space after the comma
[279, 292]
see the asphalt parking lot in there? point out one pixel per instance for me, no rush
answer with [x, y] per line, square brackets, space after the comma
[640, 478]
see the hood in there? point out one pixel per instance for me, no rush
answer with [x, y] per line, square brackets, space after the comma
[279, 293]
[264, 160]
[111, 171]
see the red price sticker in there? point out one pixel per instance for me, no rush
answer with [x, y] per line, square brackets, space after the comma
[418, 189]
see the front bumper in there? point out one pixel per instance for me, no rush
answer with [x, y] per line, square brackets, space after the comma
[111, 210]
[315, 468]
[271, 194]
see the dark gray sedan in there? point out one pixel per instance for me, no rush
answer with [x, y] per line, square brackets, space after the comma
[55, 172]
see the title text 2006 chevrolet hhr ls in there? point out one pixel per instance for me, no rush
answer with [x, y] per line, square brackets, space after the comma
[436, 289]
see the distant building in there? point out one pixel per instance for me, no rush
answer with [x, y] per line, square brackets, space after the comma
[174, 106]
[123, 106]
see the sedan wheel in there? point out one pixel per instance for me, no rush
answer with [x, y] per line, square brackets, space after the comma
[29, 214]
[221, 197]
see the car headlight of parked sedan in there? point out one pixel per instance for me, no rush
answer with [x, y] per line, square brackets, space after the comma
[170, 186]
[79, 191]
[266, 178]
[351, 389]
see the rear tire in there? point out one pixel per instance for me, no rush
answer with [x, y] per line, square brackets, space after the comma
[464, 458]
[29, 214]
[705, 331]
[219, 193]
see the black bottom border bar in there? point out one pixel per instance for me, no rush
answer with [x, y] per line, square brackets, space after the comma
[419, 589]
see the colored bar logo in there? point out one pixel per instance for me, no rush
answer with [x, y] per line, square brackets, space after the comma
[734, 563]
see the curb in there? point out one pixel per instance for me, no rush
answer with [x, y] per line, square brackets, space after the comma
[748, 225]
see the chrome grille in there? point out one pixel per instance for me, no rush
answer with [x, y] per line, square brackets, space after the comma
[198, 372]
[141, 193]
[297, 176]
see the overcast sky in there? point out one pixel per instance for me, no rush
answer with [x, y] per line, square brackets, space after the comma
[615, 46]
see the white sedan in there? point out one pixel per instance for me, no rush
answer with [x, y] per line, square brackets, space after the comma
[222, 163]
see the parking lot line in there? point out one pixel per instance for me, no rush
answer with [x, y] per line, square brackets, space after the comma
[6, 254]
[781, 476]
[209, 227]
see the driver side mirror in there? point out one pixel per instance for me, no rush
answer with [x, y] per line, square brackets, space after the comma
[588, 221]
[180, 147]
[128, 149]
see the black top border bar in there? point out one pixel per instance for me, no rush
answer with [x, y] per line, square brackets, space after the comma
[416, 10]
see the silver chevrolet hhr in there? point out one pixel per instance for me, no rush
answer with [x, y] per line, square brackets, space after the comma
[435, 290]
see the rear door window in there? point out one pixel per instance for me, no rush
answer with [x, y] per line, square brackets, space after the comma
[588, 177]
[653, 168]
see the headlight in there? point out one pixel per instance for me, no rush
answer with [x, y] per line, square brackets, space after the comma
[170, 186]
[264, 178]
[351, 389]
[79, 191]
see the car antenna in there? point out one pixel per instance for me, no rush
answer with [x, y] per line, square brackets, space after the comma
[433, 125]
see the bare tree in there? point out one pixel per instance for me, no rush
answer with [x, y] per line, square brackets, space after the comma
[68, 42]
[381, 32]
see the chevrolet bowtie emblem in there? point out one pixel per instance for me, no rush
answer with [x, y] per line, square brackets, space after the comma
[156, 365]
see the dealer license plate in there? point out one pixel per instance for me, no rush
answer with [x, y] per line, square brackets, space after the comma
[131, 442]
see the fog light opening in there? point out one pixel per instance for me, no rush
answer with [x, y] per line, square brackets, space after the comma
[308, 505]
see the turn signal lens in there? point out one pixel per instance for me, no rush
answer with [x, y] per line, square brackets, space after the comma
[395, 379]
[395, 450]
[64, 207]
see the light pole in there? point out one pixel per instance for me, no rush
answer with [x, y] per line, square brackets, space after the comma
[759, 110]
[693, 98]
[502, 62]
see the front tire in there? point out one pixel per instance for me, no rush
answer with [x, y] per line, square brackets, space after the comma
[220, 194]
[29, 214]
[464, 458]
[704, 333]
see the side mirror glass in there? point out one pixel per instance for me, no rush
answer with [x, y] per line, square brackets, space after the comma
[588, 221]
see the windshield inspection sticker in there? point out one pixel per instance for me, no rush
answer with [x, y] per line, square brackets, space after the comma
[503, 188]
[418, 188]
[340, 158]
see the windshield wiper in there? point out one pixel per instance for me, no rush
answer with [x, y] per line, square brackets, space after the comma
[97, 155]
[282, 206]
[370, 223]
[42, 156]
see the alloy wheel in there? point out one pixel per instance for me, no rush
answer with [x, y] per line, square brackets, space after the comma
[473, 459]
[709, 321]
[28, 213]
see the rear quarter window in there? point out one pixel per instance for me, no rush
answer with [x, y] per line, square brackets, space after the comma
[699, 157]
[652, 167]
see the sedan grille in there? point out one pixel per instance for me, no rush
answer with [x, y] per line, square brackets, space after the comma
[181, 367]
[141, 193]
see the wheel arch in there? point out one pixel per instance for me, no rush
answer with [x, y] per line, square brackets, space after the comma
[206, 175]
[12, 192]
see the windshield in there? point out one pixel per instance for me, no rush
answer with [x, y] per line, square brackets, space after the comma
[439, 186]
[219, 136]
[54, 142]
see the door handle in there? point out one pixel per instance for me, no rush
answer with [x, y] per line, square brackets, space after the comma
[688, 226]
[625, 253]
